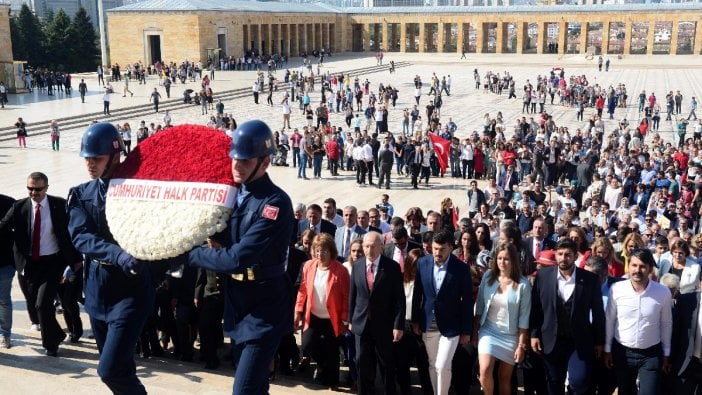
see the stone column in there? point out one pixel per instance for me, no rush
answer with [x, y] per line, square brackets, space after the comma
[500, 43]
[480, 36]
[583, 37]
[522, 32]
[422, 37]
[403, 37]
[460, 43]
[429, 37]
[650, 36]
[628, 26]
[440, 38]
[698, 39]
[605, 37]
[674, 37]
[386, 36]
[366, 37]
[562, 37]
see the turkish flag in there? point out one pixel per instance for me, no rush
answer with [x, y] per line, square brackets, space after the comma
[441, 148]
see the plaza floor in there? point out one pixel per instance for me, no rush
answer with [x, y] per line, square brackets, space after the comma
[24, 368]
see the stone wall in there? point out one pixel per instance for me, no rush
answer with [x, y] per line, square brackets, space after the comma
[5, 41]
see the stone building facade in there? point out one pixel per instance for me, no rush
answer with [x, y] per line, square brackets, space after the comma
[174, 30]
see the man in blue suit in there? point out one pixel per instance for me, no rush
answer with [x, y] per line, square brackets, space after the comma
[377, 313]
[315, 222]
[564, 298]
[442, 307]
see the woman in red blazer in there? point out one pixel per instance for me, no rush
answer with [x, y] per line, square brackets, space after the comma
[321, 309]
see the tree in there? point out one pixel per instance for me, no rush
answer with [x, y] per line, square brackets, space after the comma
[28, 37]
[58, 49]
[83, 40]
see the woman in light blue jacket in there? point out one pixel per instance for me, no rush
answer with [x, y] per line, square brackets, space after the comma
[502, 315]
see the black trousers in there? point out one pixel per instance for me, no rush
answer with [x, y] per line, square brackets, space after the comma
[211, 332]
[43, 278]
[374, 350]
[70, 292]
[320, 343]
[31, 309]
[410, 348]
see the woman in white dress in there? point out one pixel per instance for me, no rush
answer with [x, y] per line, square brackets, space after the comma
[502, 315]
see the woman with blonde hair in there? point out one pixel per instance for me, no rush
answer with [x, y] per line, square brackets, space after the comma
[631, 242]
[502, 311]
[322, 308]
[603, 247]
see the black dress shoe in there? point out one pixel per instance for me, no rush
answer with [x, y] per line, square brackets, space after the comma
[75, 339]
[212, 365]
[303, 365]
[52, 353]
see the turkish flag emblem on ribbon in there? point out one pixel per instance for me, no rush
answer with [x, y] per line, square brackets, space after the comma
[441, 148]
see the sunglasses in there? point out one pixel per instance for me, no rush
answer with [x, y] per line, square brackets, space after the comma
[36, 189]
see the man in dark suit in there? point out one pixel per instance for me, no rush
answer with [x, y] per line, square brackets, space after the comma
[347, 233]
[363, 220]
[442, 307]
[414, 162]
[538, 241]
[508, 180]
[315, 221]
[38, 225]
[7, 273]
[399, 247]
[686, 345]
[377, 308]
[564, 297]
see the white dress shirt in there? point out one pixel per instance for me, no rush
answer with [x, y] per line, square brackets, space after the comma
[48, 244]
[565, 287]
[639, 319]
[319, 294]
[375, 264]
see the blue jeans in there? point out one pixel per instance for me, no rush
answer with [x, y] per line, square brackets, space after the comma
[630, 363]
[302, 166]
[7, 273]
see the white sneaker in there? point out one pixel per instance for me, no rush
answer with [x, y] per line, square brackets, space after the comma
[36, 327]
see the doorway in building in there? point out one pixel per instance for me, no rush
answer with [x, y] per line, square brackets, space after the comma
[222, 44]
[357, 38]
[154, 50]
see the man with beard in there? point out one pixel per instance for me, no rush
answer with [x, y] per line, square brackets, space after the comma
[639, 328]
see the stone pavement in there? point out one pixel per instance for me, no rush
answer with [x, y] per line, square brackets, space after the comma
[24, 369]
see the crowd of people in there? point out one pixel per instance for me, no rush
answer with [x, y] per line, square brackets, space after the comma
[576, 259]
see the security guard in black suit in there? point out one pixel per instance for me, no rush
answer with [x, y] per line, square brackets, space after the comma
[253, 252]
[43, 248]
[119, 291]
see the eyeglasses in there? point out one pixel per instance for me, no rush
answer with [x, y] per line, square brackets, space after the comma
[648, 234]
[36, 189]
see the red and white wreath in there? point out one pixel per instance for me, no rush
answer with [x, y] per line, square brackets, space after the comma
[172, 192]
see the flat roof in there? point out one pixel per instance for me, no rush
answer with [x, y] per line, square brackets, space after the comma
[317, 7]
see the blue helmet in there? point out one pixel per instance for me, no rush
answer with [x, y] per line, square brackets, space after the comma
[100, 139]
[252, 139]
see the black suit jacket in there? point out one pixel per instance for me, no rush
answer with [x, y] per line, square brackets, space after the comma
[685, 313]
[587, 298]
[548, 244]
[389, 249]
[324, 227]
[17, 226]
[385, 304]
[6, 255]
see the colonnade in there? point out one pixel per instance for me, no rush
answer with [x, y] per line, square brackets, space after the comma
[289, 39]
[593, 34]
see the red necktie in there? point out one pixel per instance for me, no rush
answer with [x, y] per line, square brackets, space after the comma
[369, 276]
[36, 233]
[402, 262]
[537, 250]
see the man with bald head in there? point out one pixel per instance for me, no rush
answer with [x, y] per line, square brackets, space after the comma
[377, 313]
